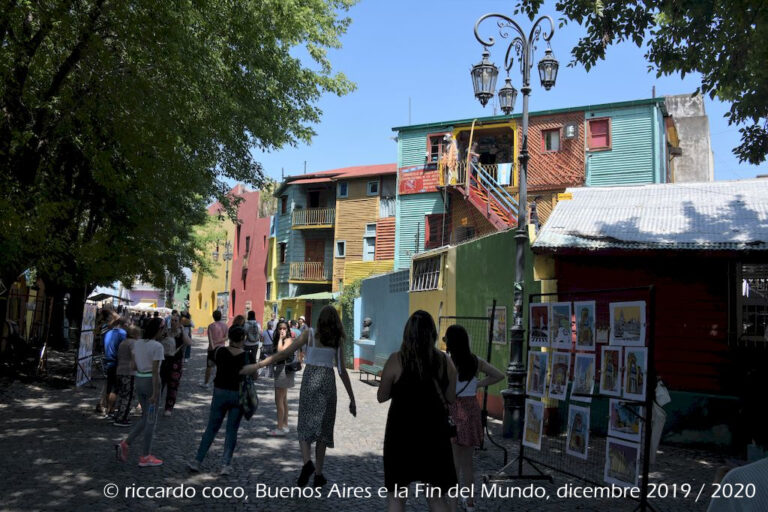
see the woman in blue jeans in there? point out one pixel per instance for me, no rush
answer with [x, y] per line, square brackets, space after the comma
[226, 400]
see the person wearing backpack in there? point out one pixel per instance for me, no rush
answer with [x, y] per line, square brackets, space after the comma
[226, 400]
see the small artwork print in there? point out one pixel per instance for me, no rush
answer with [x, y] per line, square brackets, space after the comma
[602, 335]
[539, 321]
[534, 424]
[628, 323]
[585, 325]
[625, 420]
[621, 462]
[635, 369]
[578, 431]
[537, 373]
[558, 375]
[561, 325]
[610, 371]
[583, 377]
[499, 324]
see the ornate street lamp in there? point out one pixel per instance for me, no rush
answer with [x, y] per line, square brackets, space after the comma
[522, 47]
[507, 97]
[484, 75]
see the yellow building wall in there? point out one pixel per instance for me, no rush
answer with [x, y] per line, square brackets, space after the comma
[204, 288]
[440, 302]
[291, 309]
[355, 270]
[352, 214]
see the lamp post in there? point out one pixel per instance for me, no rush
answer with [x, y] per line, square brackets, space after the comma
[227, 257]
[484, 75]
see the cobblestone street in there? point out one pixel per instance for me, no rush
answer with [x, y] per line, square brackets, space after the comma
[57, 455]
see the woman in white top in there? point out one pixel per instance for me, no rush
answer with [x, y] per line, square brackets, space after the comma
[147, 356]
[465, 411]
[317, 399]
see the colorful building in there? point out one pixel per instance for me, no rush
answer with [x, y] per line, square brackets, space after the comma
[332, 228]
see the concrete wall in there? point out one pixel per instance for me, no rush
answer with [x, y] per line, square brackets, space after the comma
[696, 162]
[385, 301]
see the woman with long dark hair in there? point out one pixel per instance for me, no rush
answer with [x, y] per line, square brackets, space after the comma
[317, 398]
[284, 379]
[421, 381]
[465, 411]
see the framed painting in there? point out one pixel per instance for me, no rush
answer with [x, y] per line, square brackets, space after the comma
[621, 462]
[610, 371]
[627, 323]
[537, 374]
[539, 325]
[635, 371]
[534, 424]
[561, 325]
[499, 324]
[586, 336]
[558, 375]
[577, 440]
[625, 420]
[583, 378]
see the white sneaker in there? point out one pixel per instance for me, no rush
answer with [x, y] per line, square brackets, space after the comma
[194, 466]
[226, 470]
[287, 430]
[276, 433]
[166, 413]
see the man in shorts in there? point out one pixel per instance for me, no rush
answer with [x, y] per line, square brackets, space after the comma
[217, 337]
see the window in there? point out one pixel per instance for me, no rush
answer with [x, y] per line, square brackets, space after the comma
[373, 188]
[247, 245]
[342, 188]
[426, 274]
[269, 291]
[436, 145]
[599, 136]
[283, 246]
[550, 140]
[283, 205]
[753, 303]
[341, 248]
[369, 243]
[237, 240]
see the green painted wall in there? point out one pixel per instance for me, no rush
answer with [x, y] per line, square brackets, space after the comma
[485, 269]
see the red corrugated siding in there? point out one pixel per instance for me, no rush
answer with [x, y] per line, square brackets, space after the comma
[691, 310]
[385, 239]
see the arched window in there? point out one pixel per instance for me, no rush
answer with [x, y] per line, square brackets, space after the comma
[233, 308]
[199, 300]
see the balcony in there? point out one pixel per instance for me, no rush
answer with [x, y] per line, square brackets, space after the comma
[310, 271]
[456, 174]
[313, 218]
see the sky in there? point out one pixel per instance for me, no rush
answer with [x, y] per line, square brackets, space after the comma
[411, 62]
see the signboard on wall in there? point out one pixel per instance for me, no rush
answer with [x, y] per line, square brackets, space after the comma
[418, 180]
[222, 304]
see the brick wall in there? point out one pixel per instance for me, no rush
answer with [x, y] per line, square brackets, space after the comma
[558, 169]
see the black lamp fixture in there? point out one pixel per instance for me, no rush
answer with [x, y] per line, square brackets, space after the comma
[548, 66]
[507, 97]
[484, 75]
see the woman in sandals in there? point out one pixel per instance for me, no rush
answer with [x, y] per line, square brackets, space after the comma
[317, 399]
[284, 379]
[226, 400]
[465, 411]
[420, 380]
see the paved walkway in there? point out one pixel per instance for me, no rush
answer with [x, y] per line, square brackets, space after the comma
[57, 455]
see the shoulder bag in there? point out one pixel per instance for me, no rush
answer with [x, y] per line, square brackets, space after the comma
[449, 427]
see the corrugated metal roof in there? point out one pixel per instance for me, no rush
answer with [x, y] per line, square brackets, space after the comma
[724, 215]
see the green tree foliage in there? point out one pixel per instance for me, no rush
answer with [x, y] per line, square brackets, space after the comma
[724, 40]
[121, 120]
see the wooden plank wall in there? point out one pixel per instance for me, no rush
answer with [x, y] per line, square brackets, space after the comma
[691, 310]
[352, 214]
[385, 239]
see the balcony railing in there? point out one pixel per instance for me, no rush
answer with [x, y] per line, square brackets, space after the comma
[309, 271]
[313, 217]
[457, 174]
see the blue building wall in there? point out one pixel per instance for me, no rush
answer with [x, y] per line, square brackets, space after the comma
[385, 300]
[409, 224]
[637, 153]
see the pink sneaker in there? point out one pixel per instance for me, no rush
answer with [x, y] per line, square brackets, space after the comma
[149, 460]
[122, 451]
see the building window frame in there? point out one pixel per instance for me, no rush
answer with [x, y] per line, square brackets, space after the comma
[554, 143]
[752, 283]
[426, 273]
[340, 244]
[283, 205]
[342, 189]
[609, 134]
[283, 250]
[369, 235]
[436, 146]
[373, 187]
